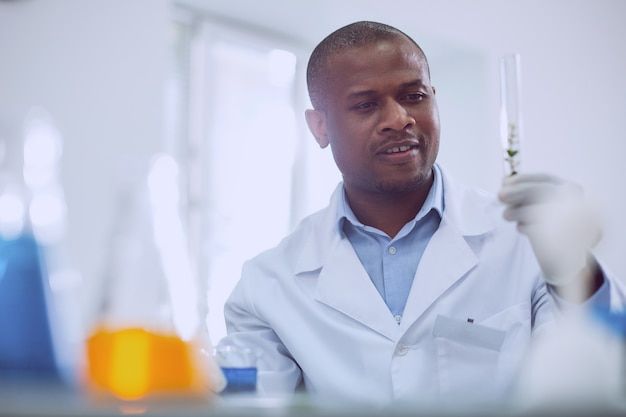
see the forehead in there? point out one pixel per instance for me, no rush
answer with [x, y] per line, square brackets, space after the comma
[390, 59]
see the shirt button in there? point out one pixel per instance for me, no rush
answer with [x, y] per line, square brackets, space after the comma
[402, 350]
[392, 250]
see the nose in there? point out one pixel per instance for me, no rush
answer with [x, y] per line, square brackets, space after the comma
[395, 117]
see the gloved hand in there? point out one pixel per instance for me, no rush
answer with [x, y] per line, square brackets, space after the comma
[560, 223]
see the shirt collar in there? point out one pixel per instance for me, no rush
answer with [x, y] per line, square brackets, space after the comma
[434, 201]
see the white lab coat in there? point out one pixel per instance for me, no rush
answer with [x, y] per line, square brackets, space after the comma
[311, 311]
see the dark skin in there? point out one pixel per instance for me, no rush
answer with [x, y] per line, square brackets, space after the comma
[382, 124]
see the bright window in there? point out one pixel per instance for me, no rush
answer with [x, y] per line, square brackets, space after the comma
[237, 98]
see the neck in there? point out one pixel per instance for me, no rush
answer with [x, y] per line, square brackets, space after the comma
[388, 212]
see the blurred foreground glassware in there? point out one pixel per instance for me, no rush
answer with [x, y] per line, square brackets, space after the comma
[39, 317]
[511, 112]
[148, 341]
[239, 366]
[27, 350]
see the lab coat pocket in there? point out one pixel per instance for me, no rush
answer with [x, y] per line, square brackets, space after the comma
[468, 356]
[467, 332]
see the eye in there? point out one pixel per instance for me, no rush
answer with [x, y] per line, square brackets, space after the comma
[414, 97]
[368, 105]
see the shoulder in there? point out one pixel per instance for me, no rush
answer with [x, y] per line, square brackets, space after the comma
[270, 279]
[307, 246]
[290, 245]
[304, 248]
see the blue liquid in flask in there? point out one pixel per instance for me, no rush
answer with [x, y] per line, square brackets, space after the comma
[26, 344]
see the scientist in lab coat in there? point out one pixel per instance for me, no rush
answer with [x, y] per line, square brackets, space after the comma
[409, 285]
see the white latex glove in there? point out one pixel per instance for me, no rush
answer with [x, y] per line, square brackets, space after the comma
[560, 223]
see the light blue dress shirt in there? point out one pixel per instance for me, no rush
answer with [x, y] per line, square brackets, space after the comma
[391, 263]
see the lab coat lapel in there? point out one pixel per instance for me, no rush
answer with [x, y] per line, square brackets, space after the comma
[342, 282]
[446, 259]
[448, 256]
[344, 285]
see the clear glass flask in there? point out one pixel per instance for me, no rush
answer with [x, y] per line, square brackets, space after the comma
[148, 341]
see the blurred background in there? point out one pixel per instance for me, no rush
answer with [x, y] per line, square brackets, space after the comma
[220, 86]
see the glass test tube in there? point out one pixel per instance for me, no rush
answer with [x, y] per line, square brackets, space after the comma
[511, 112]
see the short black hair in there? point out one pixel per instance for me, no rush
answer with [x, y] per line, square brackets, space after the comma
[351, 36]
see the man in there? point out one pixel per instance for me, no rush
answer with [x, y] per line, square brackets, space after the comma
[409, 285]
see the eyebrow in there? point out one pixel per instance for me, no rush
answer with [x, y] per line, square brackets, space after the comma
[416, 83]
[404, 86]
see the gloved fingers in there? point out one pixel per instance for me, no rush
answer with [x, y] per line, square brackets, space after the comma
[553, 220]
[540, 177]
[559, 216]
[525, 193]
[527, 188]
[528, 214]
[537, 188]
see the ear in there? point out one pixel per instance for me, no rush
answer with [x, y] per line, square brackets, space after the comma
[316, 120]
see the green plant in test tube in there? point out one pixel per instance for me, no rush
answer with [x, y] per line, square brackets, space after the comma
[510, 112]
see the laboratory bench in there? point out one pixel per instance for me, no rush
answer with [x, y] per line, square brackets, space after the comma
[45, 401]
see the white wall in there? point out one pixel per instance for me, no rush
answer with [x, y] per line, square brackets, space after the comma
[99, 67]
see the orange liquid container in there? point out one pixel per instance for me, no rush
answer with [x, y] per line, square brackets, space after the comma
[134, 363]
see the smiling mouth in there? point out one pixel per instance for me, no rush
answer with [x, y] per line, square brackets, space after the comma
[398, 149]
